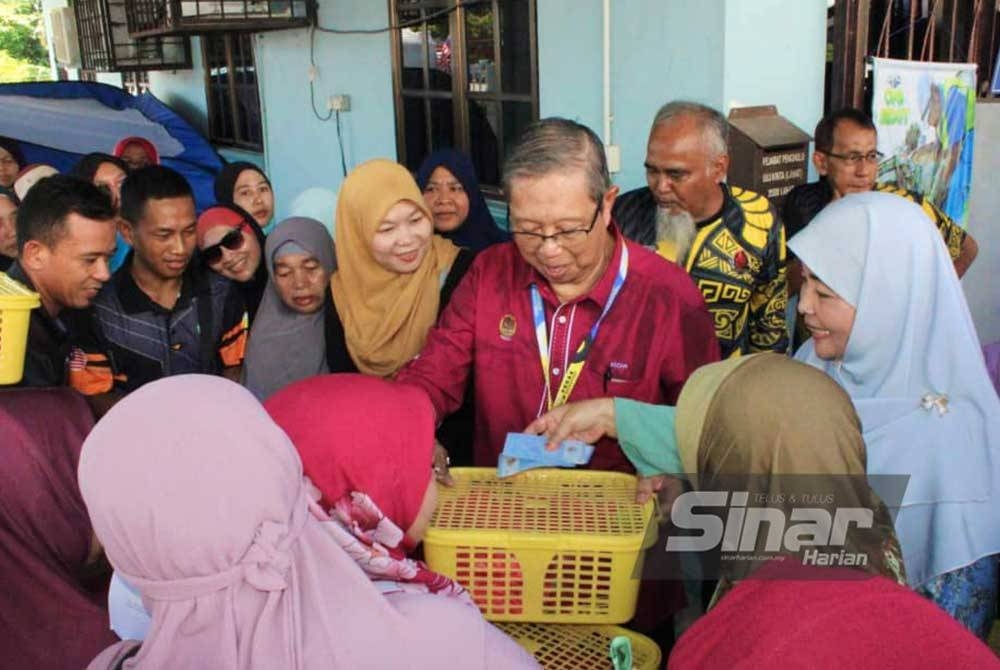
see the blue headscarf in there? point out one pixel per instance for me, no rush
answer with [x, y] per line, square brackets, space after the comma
[479, 230]
[914, 369]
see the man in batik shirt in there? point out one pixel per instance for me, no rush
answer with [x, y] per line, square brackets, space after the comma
[728, 239]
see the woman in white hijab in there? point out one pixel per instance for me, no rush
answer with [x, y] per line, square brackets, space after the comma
[889, 322]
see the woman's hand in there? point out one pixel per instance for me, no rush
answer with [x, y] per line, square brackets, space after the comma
[441, 464]
[585, 420]
[665, 487]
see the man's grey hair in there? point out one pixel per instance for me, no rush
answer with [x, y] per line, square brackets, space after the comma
[555, 145]
[715, 128]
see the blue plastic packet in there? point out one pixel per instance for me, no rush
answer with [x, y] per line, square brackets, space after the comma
[524, 452]
[511, 465]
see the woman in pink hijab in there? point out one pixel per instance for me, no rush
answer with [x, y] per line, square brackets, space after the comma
[200, 502]
[49, 616]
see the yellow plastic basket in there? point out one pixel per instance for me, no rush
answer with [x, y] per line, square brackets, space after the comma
[561, 646]
[544, 546]
[16, 303]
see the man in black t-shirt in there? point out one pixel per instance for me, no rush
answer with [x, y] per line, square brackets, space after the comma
[66, 237]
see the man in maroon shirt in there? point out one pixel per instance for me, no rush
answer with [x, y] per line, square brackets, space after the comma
[613, 318]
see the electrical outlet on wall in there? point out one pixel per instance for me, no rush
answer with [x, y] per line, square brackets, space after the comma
[339, 103]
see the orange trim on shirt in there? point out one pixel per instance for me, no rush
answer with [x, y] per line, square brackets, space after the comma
[233, 347]
[95, 377]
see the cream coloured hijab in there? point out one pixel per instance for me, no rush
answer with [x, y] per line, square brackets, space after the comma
[386, 315]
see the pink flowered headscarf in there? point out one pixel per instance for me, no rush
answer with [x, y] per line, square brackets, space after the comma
[370, 460]
[200, 503]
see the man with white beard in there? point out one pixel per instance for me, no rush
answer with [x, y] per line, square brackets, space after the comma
[728, 239]
[674, 230]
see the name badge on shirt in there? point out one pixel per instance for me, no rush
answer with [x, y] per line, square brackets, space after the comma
[508, 326]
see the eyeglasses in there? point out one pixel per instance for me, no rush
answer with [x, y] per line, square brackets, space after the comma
[562, 238]
[855, 158]
[232, 240]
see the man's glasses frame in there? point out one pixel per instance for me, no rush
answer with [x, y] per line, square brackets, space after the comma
[563, 237]
[856, 158]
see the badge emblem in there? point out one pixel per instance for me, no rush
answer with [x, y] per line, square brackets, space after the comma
[508, 326]
[740, 261]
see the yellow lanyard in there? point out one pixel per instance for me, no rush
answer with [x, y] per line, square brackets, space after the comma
[572, 375]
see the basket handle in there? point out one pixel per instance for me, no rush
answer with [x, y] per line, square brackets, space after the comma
[621, 652]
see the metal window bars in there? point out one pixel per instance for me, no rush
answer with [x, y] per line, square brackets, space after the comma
[183, 17]
[933, 30]
[106, 46]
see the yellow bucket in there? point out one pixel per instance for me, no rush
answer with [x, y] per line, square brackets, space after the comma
[16, 303]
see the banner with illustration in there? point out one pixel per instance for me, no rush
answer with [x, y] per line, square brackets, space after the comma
[925, 114]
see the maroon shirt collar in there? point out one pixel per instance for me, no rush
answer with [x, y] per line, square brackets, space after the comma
[599, 294]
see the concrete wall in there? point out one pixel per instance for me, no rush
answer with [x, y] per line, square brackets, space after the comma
[662, 51]
[569, 60]
[301, 150]
[980, 282]
[718, 52]
[776, 54]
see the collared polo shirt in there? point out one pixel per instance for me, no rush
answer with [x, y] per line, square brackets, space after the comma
[656, 333]
[205, 331]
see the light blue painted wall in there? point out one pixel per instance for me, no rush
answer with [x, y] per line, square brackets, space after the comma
[302, 151]
[654, 57]
[661, 51]
[709, 51]
[569, 60]
[184, 90]
[778, 62]
[980, 282]
[299, 150]
[109, 78]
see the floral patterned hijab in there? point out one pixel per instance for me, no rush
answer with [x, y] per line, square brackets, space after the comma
[370, 458]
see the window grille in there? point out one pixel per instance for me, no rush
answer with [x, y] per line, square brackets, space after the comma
[106, 46]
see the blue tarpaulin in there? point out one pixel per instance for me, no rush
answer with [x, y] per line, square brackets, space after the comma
[58, 122]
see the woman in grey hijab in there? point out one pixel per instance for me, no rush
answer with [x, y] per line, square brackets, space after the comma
[287, 341]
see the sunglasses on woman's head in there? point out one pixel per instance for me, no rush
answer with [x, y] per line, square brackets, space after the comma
[232, 240]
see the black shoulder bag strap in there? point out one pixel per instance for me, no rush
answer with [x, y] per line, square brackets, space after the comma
[206, 331]
[458, 269]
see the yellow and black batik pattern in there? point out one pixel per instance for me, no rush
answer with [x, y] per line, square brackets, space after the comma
[953, 235]
[738, 262]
